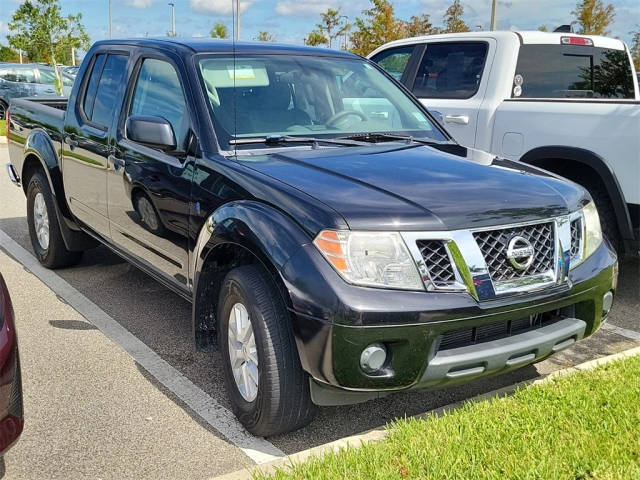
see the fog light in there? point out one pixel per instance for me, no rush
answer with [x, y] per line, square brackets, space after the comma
[607, 302]
[373, 357]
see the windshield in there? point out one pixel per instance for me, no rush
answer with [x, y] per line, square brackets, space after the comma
[301, 95]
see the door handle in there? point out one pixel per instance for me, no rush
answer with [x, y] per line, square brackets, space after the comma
[459, 119]
[115, 162]
[71, 140]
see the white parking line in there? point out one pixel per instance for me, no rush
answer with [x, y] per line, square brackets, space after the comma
[257, 449]
[625, 332]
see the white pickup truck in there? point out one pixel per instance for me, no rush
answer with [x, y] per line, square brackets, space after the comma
[565, 102]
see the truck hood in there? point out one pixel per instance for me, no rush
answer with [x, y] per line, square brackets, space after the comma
[391, 187]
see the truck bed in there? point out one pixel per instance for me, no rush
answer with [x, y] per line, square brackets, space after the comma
[29, 114]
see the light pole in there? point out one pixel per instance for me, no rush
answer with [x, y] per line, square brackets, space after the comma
[346, 32]
[173, 19]
[109, 18]
[237, 19]
[494, 14]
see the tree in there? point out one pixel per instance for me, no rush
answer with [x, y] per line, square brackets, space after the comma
[8, 54]
[378, 26]
[328, 28]
[543, 28]
[419, 25]
[264, 36]
[45, 34]
[593, 17]
[453, 21]
[219, 30]
[635, 50]
[315, 38]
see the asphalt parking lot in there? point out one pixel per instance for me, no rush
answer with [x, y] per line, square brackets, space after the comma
[100, 405]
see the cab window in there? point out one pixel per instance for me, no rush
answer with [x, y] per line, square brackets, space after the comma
[158, 93]
[107, 76]
[394, 60]
[451, 70]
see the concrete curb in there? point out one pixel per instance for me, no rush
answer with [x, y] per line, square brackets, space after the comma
[378, 434]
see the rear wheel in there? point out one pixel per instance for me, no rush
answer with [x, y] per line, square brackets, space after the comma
[265, 382]
[3, 111]
[44, 230]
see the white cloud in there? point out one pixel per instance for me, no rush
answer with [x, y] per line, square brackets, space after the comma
[303, 8]
[140, 3]
[218, 7]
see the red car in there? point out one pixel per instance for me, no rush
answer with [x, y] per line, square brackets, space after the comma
[11, 418]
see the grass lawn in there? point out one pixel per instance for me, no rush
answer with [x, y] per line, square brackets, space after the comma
[3, 128]
[581, 426]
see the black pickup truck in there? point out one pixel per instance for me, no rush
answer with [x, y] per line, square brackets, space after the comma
[332, 237]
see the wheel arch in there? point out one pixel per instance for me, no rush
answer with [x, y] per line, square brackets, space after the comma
[597, 167]
[238, 233]
[40, 155]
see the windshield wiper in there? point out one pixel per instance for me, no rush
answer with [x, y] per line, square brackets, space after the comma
[390, 137]
[279, 139]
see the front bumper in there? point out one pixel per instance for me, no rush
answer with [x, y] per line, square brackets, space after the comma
[412, 325]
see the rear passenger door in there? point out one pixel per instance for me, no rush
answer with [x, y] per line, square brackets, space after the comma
[85, 139]
[149, 189]
[451, 81]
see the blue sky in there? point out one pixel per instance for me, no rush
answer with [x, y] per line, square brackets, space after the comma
[291, 20]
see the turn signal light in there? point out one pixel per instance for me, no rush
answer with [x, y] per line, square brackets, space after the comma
[330, 245]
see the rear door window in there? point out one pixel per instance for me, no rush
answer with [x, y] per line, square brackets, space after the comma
[573, 71]
[451, 70]
[107, 76]
[394, 60]
[113, 75]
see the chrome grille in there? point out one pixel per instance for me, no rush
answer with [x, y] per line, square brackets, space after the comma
[435, 256]
[576, 238]
[494, 243]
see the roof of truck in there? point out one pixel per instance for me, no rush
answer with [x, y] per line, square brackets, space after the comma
[207, 45]
[525, 37]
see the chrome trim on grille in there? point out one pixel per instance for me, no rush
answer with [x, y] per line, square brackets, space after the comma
[472, 274]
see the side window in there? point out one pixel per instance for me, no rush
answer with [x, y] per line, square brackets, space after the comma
[107, 74]
[9, 75]
[92, 84]
[158, 93]
[25, 75]
[47, 77]
[451, 70]
[113, 74]
[394, 60]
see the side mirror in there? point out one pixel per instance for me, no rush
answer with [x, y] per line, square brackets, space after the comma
[154, 132]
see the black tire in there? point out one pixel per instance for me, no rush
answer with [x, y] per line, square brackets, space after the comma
[56, 254]
[3, 112]
[607, 214]
[283, 401]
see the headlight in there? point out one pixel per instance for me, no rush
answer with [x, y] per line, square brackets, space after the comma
[592, 230]
[376, 259]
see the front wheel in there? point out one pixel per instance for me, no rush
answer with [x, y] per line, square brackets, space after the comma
[44, 230]
[268, 389]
